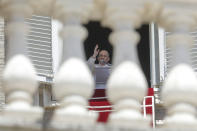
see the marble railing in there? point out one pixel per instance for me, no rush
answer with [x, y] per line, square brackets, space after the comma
[74, 83]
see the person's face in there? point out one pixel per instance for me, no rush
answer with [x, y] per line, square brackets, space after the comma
[103, 57]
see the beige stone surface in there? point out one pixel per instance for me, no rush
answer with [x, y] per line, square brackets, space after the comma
[2, 61]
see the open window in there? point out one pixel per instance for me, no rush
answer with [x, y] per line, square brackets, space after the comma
[100, 35]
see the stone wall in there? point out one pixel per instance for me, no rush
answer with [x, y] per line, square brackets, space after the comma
[2, 61]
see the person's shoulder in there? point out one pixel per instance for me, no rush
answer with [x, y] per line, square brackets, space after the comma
[97, 65]
[109, 64]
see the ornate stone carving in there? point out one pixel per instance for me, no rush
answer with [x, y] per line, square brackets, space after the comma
[19, 77]
[68, 10]
[74, 83]
[179, 92]
[123, 87]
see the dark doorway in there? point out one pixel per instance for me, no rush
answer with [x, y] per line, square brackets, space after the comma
[99, 35]
[144, 51]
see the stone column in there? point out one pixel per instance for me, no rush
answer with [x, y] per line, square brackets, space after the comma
[98, 10]
[19, 77]
[2, 61]
[74, 83]
[127, 84]
[43, 7]
[180, 88]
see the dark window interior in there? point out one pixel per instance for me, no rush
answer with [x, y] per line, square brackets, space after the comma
[100, 35]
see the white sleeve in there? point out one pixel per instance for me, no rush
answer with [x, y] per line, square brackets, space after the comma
[90, 63]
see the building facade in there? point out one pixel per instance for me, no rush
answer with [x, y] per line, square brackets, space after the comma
[29, 63]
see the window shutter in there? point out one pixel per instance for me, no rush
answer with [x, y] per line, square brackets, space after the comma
[40, 45]
[193, 53]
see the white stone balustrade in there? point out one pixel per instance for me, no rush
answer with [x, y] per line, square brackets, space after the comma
[127, 85]
[19, 77]
[180, 88]
[152, 11]
[74, 83]
[43, 7]
[98, 11]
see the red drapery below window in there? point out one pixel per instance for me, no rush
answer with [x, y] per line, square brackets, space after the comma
[103, 116]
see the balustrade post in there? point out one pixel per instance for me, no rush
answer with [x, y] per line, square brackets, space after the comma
[180, 88]
[2, 61]
[74, 83]
[19, 77]
[127, 85]
[43, 7]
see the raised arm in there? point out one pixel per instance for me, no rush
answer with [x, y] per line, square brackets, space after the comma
[96, 51]
[92, 59]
